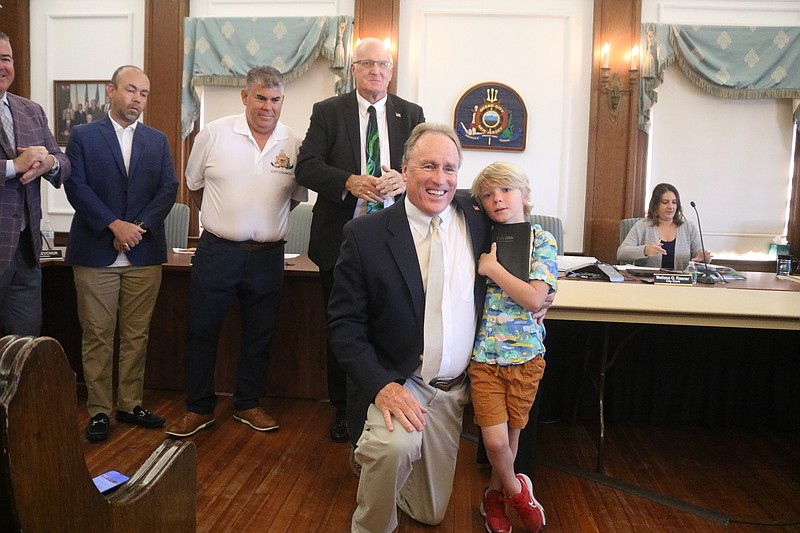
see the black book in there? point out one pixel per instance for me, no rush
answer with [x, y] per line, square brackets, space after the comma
[514, 242]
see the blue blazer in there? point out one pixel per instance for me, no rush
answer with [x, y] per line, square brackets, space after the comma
[376, 309]
[101, 191]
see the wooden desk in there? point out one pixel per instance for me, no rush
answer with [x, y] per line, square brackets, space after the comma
[762, 301]
[297, 366]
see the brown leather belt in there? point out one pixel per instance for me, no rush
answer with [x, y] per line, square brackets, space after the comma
[447, 384]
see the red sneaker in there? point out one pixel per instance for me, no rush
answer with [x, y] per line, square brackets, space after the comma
[493, 508]
[530, 511]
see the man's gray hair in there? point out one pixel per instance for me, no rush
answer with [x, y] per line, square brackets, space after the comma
[265, 76]
[431, 127]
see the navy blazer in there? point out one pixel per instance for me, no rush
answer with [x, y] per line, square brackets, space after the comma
[101, 191]
[331, 153]
[376, 309]
[30, 129]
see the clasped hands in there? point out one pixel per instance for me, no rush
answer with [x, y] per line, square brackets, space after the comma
[376, 189]
[126, 235]
[33, 162]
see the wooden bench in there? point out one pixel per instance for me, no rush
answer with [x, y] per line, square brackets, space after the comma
[44, 483]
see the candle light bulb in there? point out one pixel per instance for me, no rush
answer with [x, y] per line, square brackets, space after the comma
[635, 57]
[604, 55]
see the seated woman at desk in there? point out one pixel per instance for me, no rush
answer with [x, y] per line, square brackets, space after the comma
[664, 238]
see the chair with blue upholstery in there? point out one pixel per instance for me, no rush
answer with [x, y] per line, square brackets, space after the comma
[625, 226]
[552, 225]
[299, 229]
[176, 226]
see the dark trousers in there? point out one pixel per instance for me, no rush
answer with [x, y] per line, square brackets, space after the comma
[21, 291]
[337, 378]
[221, 271]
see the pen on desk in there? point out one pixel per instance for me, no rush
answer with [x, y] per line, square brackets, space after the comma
[288, 264]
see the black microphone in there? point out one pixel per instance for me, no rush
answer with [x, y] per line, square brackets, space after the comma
[705, 277]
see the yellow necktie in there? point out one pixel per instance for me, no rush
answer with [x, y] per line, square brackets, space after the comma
[434, 326]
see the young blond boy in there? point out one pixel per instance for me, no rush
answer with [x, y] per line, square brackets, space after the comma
[508, 356]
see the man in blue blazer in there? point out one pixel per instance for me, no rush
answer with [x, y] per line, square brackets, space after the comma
[123, 187]
[408, 427]
[332, 162]
[31, 154]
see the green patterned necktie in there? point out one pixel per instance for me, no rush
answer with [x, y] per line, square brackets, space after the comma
[373, 154]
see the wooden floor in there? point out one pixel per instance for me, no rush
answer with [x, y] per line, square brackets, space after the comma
[295, 479]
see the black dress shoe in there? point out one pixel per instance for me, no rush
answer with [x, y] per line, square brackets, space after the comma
[339, 431]
[141, 417]
[98, 428]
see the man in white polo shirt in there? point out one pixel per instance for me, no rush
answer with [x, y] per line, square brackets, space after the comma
[241, 174]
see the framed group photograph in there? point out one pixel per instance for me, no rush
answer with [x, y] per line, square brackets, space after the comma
[77, 102]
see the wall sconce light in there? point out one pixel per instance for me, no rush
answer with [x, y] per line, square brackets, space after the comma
[613, 85]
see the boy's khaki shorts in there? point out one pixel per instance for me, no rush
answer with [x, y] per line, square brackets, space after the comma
[503, 394]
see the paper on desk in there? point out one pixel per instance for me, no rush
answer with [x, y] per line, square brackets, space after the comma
[290, 256]
[635, 267]
[574, 262]
[184, 250]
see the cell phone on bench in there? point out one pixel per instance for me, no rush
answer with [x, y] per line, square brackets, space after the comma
[108, 481]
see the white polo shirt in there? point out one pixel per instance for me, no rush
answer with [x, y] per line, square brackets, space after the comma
[247, 191]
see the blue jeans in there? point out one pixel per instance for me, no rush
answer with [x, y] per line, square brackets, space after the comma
[221, 271]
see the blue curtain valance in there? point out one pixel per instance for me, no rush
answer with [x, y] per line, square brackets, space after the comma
[727, 61]
[220, 51]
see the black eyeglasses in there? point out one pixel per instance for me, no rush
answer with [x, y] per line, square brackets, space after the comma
[369, 63]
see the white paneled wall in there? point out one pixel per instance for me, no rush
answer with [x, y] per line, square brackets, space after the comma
[79, 40]
[543, 50]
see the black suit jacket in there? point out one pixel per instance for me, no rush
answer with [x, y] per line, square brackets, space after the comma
[376, 310]
[331, 153]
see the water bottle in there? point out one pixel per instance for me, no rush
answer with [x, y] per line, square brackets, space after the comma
[784, 265]
[48, 235]
[692, 269]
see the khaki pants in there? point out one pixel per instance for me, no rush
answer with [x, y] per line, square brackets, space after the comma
[103, 295]
[414, 470]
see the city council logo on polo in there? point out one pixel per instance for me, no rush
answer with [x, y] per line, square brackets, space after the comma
[282, 161]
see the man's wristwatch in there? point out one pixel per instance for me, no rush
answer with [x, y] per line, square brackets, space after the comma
[140, 224]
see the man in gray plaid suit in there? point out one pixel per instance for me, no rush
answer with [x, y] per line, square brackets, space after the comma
[28, 152]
